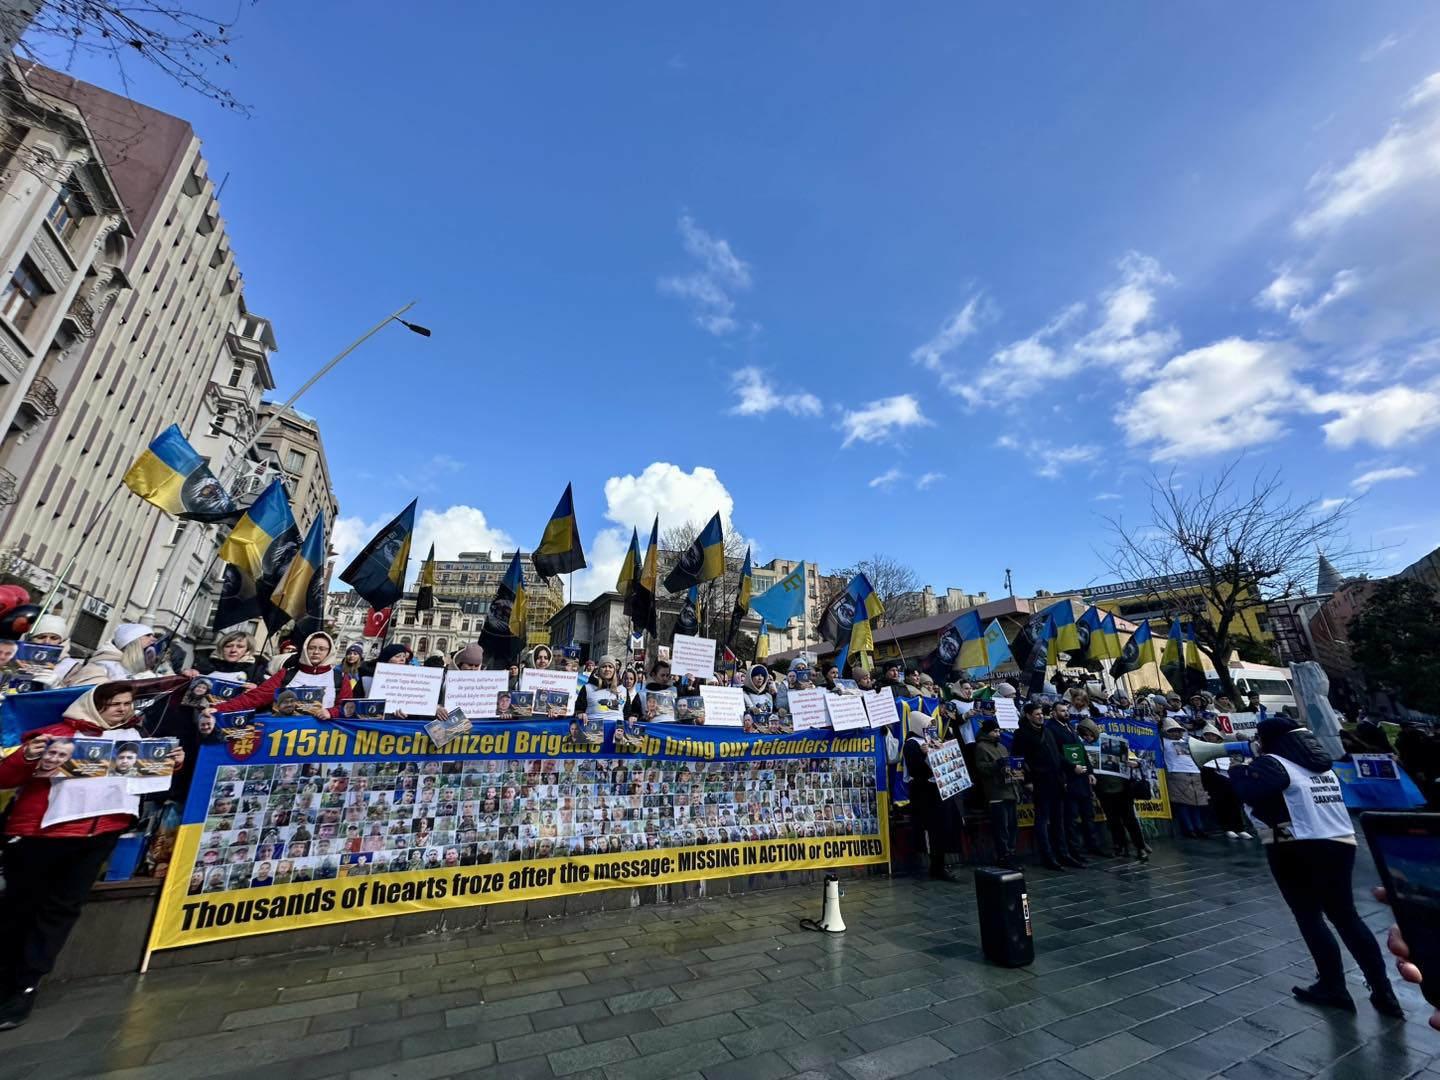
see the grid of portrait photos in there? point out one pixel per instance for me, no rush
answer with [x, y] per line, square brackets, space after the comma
[281, 824]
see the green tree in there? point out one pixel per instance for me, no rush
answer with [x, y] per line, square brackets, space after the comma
[1395, 642]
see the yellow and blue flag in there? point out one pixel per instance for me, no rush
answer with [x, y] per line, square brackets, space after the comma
[742, 598]
[962, 645]
[503, 634]
[1111, 635]
[762, 641]
[1066, 637]
[559, 551]
[703, 560]
[997, 650]
[257, 552]
[640, 601]
[630, 568]
[378, 572]
[171, 475]
[1192, 652]
[425, 584]
[1138, 651]
[300, 595]
[1174, 646]
[846, 619]
[783, 601]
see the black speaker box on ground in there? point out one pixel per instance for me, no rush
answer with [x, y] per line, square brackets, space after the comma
[1004, 916]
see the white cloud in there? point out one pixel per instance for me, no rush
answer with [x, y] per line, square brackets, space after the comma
[1384, 45]
[679, 497]
[1408, 153]
[1386, 418]
[452, 530]
[1122, 337]
[757, 396]
[423, 478]
[1053, 460]
[1105, 496]
[1329, 504]
[1212, 400]
[710, 289]
[1365, 481]
[925, 480]
[886, 480]
[1342, 285]
[881, 419]
[954, 332]
[1284, 291]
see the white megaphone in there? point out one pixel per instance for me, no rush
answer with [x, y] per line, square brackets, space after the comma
[830, 920]
[1203, 751]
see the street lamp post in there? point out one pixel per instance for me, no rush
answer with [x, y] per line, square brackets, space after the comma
[237, 464]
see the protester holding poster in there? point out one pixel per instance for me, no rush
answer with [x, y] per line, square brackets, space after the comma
[311, 666]
[601, 692]
[58, 835]
[926, 815]
[234, 660]
[992, 766]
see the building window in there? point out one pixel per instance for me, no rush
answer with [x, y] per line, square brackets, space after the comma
[22, 296]
[294, 461]
[67, 211]
[237, 374]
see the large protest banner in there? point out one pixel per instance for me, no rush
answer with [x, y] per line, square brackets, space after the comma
[1143, 737]
[296, 823]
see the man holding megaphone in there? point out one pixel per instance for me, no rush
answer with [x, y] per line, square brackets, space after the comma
[1295, 798]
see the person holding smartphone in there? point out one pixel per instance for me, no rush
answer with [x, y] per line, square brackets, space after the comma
[1295, 797]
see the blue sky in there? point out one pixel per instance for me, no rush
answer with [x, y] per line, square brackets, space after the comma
[944, 285]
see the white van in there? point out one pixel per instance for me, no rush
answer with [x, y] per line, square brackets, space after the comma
[1276, 693]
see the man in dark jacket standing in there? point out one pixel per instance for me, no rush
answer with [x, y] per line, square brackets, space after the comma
[1310, 843]
[1079, 784]
[992, 766]
[1045, 774]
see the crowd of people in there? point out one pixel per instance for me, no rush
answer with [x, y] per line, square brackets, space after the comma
[58, 836]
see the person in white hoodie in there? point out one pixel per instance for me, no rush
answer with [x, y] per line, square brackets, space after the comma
[51, 630]
[127, 656]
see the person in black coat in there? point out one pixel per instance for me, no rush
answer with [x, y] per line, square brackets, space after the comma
[1079, 785]
[1310, 844]
[1045, 776]
[926, 807]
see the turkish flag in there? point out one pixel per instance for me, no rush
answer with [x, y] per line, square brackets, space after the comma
[376, 622]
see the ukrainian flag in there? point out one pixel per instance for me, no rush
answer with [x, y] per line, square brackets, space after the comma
[1174, 647]
[378, 572]
[742, 598]
[172, 476]
[702, 561]
[425, 586]
[762, 641]
[503, 634]
[640, 603]
[630, 568]
[559, 551]
[267, 519]
[292, 598]
[868, 606]
[1111, 635]
[1192, 651]
[974, 650]
[1066, 637]
[1138, 651]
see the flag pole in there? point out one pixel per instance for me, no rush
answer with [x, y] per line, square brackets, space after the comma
[60, 577]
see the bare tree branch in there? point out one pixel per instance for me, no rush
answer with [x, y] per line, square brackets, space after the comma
[1208, 555]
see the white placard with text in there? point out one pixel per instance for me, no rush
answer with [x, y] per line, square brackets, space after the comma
[408, 689]
[547, 679]
[880, 706]
[724, 706]
[474, 692]
[693, 656]
[847, 711]
[807, 709]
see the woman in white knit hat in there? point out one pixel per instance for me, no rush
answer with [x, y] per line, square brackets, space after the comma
[126, 657]
[51, 630]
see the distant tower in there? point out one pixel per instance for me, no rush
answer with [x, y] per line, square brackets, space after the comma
[1327, 579]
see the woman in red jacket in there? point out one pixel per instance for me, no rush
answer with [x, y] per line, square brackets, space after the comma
[310, 666]
[59, 834]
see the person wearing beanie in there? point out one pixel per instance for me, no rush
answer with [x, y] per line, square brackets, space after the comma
[1182, 776]
[1293, 792]
[759, 700]
[128, 656]
[600, 692]
[992, 766]
[51, 630]
[470, 658]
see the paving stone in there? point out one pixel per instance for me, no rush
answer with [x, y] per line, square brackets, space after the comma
[536, 1043]
[896, 1060]
[670, 1063]
[591, 1055]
